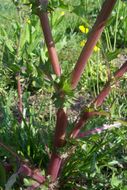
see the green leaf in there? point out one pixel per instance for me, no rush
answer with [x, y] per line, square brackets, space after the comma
[114, 162]
[67, 88]
[15, 68]
[9, 45]
[112, 55]
[25, 36]
[115, 182]
[32, 46]
[43, 55]
[28, 182]
[124, 188]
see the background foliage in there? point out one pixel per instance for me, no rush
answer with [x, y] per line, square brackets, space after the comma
[100, 161]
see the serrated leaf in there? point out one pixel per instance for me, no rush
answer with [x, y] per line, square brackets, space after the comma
[112, 55]
[67, 88]
[15, 68]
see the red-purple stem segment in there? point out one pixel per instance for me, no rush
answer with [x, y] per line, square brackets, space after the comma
[92, 40]
[104, 93]
[43, 15]
[120, 72]
[98, 130]
[61, 123]
[60, 130]
[98, 101]
[59, 141]
[34, 174]
[83, 119]
[54, 166]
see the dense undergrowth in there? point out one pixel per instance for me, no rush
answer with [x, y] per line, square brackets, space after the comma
[95, 162]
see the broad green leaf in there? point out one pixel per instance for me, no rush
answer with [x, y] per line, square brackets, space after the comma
[115, 182]
[124, 188]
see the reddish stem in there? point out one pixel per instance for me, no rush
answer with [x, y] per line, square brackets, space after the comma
[83, 119]
[98, 101]
[8, 167]
[120, 72]
[54, 166]
[48, 38]
[9, 150]
[60, 130]
[34, 174]
[59, 141]
[98, 130]
[92, 40]
[103, 94]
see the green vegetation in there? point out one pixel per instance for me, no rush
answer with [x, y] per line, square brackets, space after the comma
[36, 99]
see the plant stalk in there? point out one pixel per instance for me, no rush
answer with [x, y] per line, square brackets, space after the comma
[10, 151]
[34, 174]
[92, 40]
[54, 166]
[98, 130]
[59, 141]
[98, 100]
[60, 130]
[43, 15]
[20, 103]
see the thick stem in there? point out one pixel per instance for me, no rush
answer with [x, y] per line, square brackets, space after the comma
[34, 174]
[120, 72]
[54, 166]
[60, 130]
[48, 38]
[59, 141]
[92, 40]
